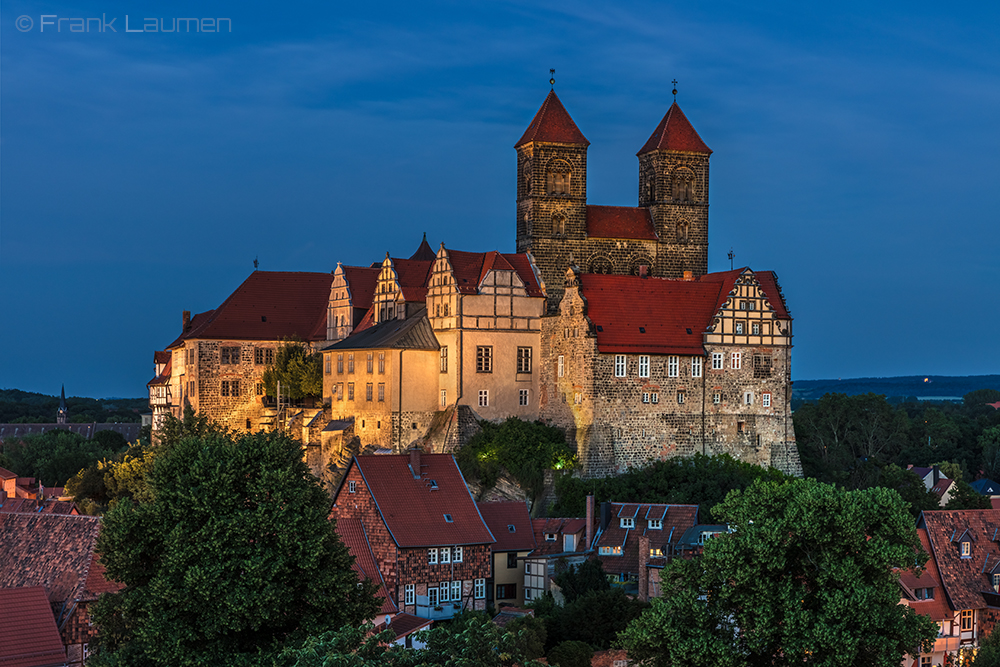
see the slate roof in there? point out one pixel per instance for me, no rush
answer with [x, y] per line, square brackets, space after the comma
[676, 519]
[965, 580]
[352, 534]
[471, 267]
[129, 431]
[560, 527]
[414, 333]
[986, 487]
[361, 281]
[269, 305]
[552, 124]
[510, 524]
[936, 607]
[29, 636]
[55, 551]
[675, 133]
[674, 315]
[620, 222]
[414, 509]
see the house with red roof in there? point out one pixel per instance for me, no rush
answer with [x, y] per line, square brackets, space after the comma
[510, 524]
[960, 586]
[702, 365]
[426, 535]
[560, 542]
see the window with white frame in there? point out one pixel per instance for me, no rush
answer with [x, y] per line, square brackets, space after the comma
[673, 367]
[755, 328]
[456, 591]
[966, 549]
[445, 588]
[716, 398]
[765, 400]
[480, 590]
[716, 361]
[627, 522]
[736, 361]
[351, 486]
[444, 358]
[655, 397]
[432, 556]
[748, 398]
[444, 397]
[524, 360]
[739, 328]
[656, 524]
[696, 367]
[619, 365]
[445, 554]
[644, 365]
[645, 397]
[456, 554]
[680, 398]
[409, 591]
[610, 551]
[522, 397]
[484, 398]
[432, 596]
[560, 365]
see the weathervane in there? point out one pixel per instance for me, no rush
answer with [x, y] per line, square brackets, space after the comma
[254, 263]
[552, 78]
[731, 255]
[675, 89]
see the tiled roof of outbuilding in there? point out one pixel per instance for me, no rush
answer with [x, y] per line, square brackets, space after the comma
[936, 607]
[552, 124]
[414, 333]
[676, 519]
[404, 624]
[29, 636]
[414, 509]
[352, 534]
[964, 579]
[361, 280]
[510, 524]
[619, 222]
[559, 527]
[269, 305]
[414, 276]
[674, 133]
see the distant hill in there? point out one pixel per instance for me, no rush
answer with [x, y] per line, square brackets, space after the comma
[26, 407]
[897, 389]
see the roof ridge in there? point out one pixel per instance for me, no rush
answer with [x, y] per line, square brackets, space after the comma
[552, 124]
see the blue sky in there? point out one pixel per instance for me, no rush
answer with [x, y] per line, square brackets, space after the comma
[857, 154]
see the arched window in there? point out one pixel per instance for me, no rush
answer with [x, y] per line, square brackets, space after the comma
[683, 229]
[559, 224]
[558, 177]
[683, 185]
[601, 265]
[526, 174]
[640, 262]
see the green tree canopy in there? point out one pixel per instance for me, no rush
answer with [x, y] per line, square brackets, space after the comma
[806, 578]
[227, 554]
[57, 455]
[299, 371]
[576, 580]
[571, 654]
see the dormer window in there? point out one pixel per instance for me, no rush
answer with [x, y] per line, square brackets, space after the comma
[627, 522]
[966, 549]
[550, 537]
[656, 524]
[996, 583]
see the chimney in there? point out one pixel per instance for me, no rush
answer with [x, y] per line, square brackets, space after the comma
[937, 475]
[415, 461]
[605, 515]
[643, 271]
[689, 275]
[590, 523]
[185, 320]
[644, 569]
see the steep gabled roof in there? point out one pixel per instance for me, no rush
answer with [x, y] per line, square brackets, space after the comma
[558, 526]
[769, 283]
[414, 276]
[29, 636]
[619, 222]
[674, 133]
[414, 333]
[471, 267]
[361, 280]
[937, 606]
[414, 509]
[965, 580]
[676, 519]
[164, 376]
[424, 251]
[552, 124]
[510, 524]
[269, 305]
[352, 534]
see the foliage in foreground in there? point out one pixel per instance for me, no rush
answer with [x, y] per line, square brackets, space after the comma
[804, 579]
[524, 449]
[298, 370]
[226, 556]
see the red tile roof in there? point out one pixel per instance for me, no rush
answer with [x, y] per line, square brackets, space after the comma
[361, 280]
[367, 322]
[674, 133]
[404, 624]
[414, 276]
[471, 267]
[552, 124]
[500, 517]
[676, 519]
[7, 474]
[936, 607]
[414, 509]
[942, 487]
[269, 305]
[32, 505]
[29, 636]
[352, 534]
[964, 579]
[164, 377]
[619, 222]
[769, 283]
[559, 527]
[424, 251]
[162, 356]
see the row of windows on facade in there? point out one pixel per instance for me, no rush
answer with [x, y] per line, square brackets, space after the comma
[748, 398]
[230, 355]
[369, 363]
[761, 365]
[437, 555]
[338, 391]
[446, 591]
[484, 361]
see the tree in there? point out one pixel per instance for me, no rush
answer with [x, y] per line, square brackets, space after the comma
[964, 497]
[228, 553]
[577, 580]
[597, 617]
[55, 456]
[472, 640]
[806, 578]
[988, 654]
[989, 441]
[571, 654]
[299, 372]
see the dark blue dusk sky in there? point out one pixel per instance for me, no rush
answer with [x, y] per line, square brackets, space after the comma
[857, 154]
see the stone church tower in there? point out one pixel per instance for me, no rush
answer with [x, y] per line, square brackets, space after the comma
[666, 235]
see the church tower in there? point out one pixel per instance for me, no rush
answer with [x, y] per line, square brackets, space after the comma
[551, 187]
[62, 415]
[673, 184]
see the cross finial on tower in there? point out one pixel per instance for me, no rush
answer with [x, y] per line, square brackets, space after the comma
[255, 263]
[552, 78]
[675, 89]
[731, 256]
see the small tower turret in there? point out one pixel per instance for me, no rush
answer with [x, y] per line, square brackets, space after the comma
[62, 415]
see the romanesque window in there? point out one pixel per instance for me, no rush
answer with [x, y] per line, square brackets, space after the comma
[716, 361]
[229, 355]
[683, 230]
[601, 265]
[762, 365]
[696, 367]
[381, 392]
[559, 224]
[558, 177]
[484, 398]
[524, 360]
[644, 365]
[263, 355]
[683, 185]
[673, 367]
[620, 365]
[484, 359]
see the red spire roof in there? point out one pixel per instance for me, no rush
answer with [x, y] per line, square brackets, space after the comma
[424, 251]
[675, 133]
[552, 123]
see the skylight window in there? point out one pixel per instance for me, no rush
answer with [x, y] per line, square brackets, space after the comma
[511, 528]
[448, 519]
